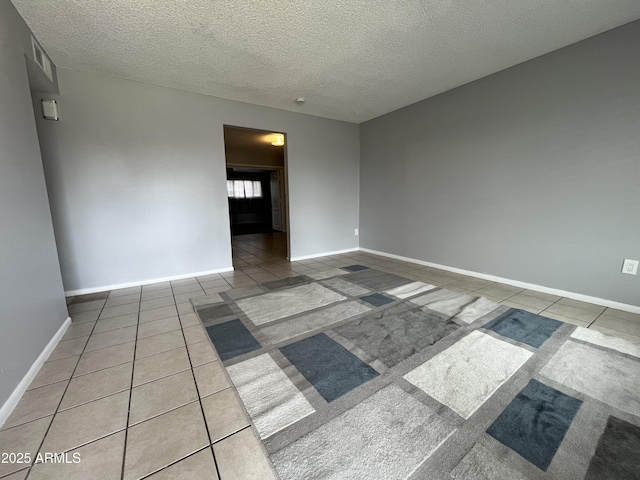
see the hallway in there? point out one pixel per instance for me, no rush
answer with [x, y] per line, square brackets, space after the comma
[259, 248]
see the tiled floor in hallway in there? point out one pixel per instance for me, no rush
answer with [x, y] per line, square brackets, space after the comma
[137, 390]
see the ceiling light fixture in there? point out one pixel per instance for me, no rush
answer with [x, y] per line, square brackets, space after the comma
[300, 101]
[278, 140]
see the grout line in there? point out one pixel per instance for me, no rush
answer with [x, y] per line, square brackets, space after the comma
[133, 369]
[95, 399]
[118, 345]
[166, 411]
[577, 319]
[505, 299]
[173, 463]
[63, 394]
[231, 434]
[552, 306]
[595, 319]
[195, 382]
[102, 348]
[163, 376]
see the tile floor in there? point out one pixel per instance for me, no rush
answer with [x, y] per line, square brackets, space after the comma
[136, 389]
[258, 249]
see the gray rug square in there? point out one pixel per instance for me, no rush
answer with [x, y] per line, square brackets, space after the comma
[479, 463]
[286, 282]
[376, 280]
[242, 292]
[466, 374]
[287, 302]
[393, 335]
[465, 308]
[345, 287]
[212, 313]
[313, 321]
[606, 376]
[388, 435]
[272, 400]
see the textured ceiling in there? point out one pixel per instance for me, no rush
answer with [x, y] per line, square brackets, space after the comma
[353, 60]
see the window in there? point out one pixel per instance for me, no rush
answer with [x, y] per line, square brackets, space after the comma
[244, 189]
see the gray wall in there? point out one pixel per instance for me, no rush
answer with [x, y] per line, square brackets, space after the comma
[32, 305]
[137, 181]
[20, 36]
[532, 174]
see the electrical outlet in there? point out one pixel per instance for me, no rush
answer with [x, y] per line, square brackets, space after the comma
[630, 267]
[356, 232]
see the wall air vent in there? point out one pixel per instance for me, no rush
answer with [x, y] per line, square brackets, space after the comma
[41, 59]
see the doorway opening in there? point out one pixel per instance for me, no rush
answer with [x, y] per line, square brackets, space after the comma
[257, 195]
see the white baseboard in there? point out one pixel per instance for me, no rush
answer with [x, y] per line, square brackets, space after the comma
[516, 283]
[104, 288]
[15, 397]
[325, 254]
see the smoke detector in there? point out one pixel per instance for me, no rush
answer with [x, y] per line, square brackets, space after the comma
[300, 101]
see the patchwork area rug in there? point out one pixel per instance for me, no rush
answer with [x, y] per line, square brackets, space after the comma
[362, 374]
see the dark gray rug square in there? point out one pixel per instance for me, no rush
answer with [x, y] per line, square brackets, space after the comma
[535, 422]
[211, 313]
[232, 339]
[376, 299]
[355, 268]
[525, 327]
[618, 452]
[328, 366]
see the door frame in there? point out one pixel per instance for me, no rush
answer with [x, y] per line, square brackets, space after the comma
[285, 177]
